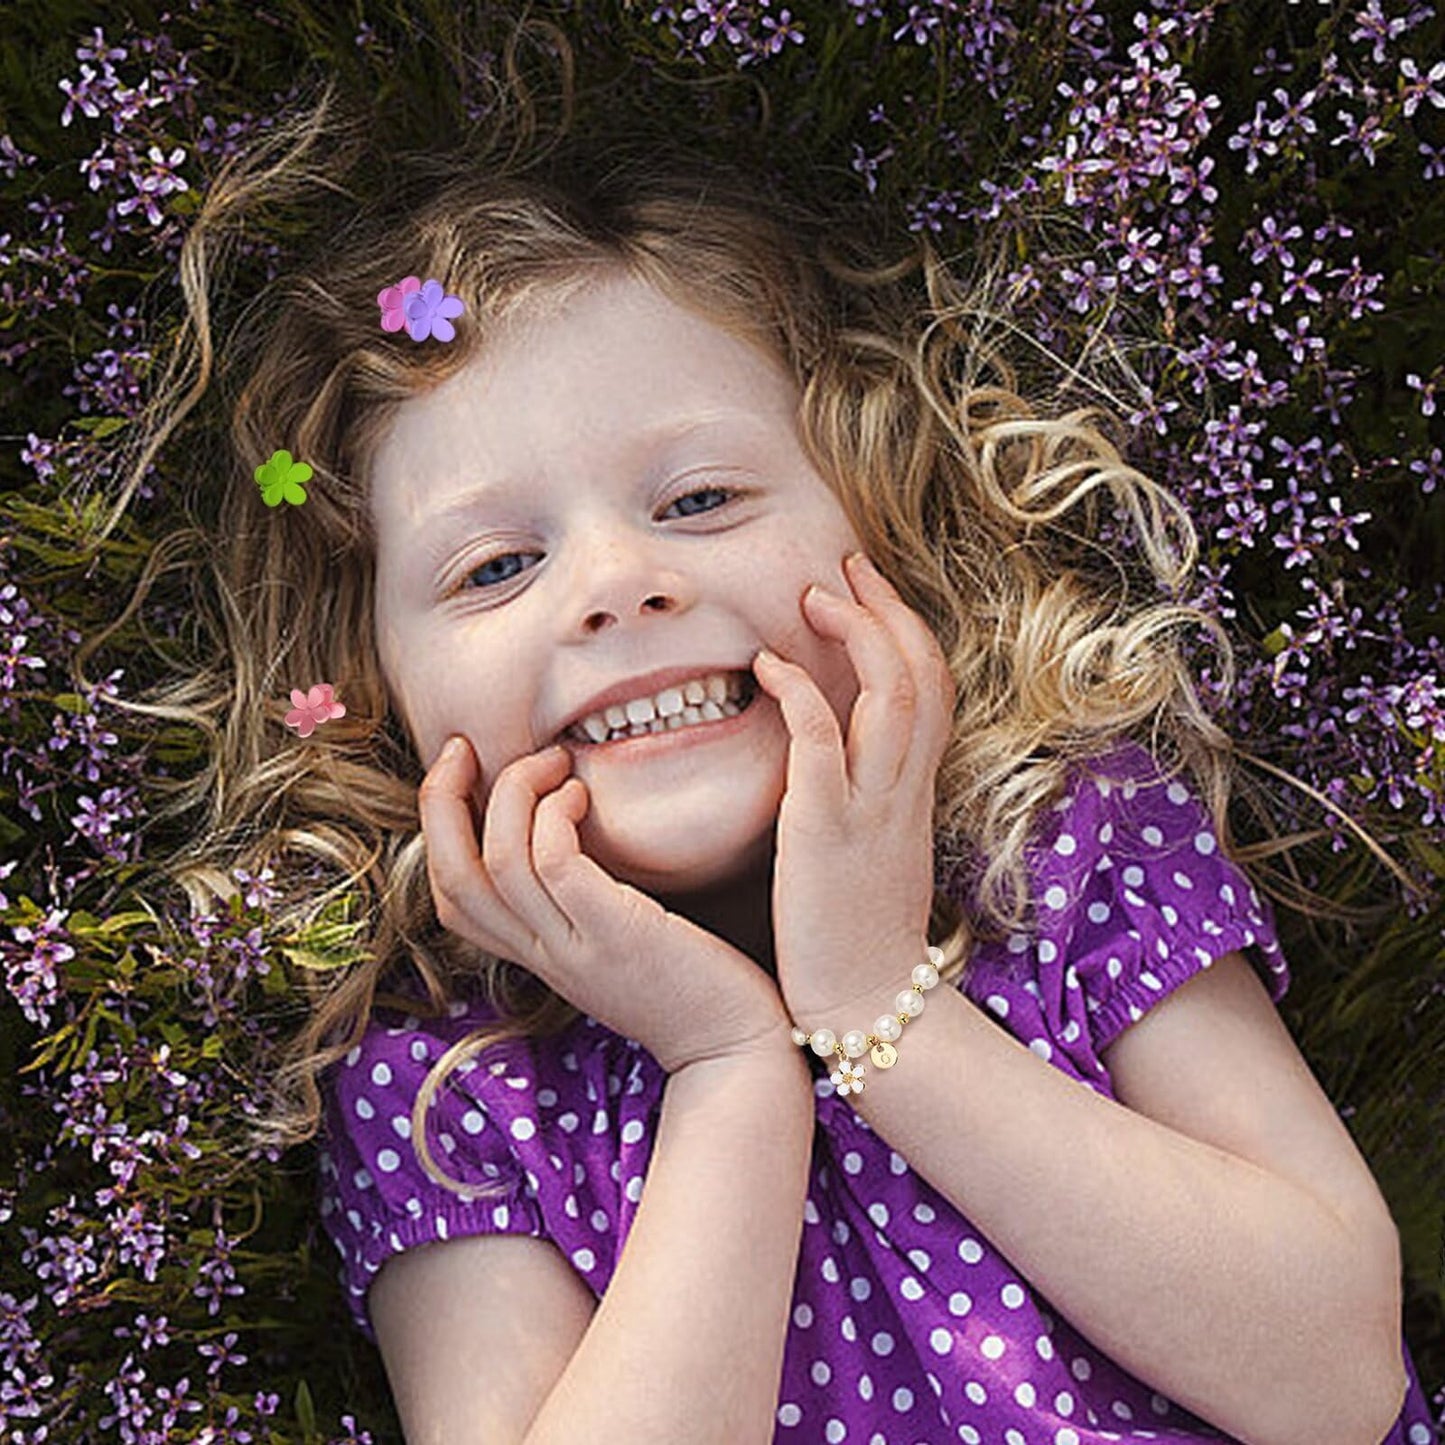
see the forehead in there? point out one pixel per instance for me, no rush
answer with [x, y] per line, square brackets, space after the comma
[594, 380]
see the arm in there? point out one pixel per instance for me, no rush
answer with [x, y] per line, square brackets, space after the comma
[707, 1271]
[1228, 1288]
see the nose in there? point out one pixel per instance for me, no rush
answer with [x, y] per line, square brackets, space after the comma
[623, 580]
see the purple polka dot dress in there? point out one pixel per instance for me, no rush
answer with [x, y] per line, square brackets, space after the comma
[907, 1327]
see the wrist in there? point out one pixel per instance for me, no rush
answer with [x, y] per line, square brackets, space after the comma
[849, 1045]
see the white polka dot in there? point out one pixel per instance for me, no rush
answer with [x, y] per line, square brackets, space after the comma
[998, 1003]
[910, 1289]
[1081, 1368]
[1065, 845]
[1151, 835]
[1012, 1296]
[362, 1179]
[970, 1251]
[352, 1055]
[959, 1303]
[1420, 1434]
[401, 1125]
[1099, 911]
[523, 1128]
[834, 1431]
[1024, 1394]
[991, 1348]
[1056, 897]
[363, 1107]
[381, 1074]
[1133, 876]
[418, 1050]
[1045, 1346]
[1171, 914]
[1066, 1436]
[902, 1399]
[1204, 843]
[940, 1341]
[1183, 880]
[442, 1227]
[1017, 942]
[1048, 950]
[388, 1161]
[821, 1372]
[474, 1121]
[881, 1343]
[1063, 1403]
[789, 1414]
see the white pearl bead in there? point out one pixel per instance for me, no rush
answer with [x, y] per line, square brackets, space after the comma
[800, 1037]
[909, 1003]
[936, 954]
[823, 1042]
[925, 975]
[855, 1042]
[887, 1028]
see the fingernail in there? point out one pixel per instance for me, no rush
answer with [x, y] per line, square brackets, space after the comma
[451, 748]
[860, 559]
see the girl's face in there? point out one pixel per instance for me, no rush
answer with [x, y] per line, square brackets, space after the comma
[532, 551]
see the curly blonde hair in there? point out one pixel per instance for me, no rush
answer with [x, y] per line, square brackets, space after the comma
[955, 486]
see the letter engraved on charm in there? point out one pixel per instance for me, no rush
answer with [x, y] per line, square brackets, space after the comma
[884, 1055]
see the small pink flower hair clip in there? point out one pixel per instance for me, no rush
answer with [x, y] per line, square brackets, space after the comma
[425, 310]
[311, 709]
[393, 302]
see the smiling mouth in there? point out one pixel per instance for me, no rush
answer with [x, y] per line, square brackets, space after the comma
[684, 721]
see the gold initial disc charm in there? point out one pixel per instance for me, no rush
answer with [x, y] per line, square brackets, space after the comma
[884, 1055]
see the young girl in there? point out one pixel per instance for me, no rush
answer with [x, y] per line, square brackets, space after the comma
[658, 840]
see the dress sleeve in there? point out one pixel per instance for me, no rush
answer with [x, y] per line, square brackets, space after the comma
[375, 1198]
[1161, 901]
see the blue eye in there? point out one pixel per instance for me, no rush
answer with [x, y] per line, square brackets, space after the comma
[727, 492]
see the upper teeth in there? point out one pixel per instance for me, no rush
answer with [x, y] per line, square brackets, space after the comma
[698, 700]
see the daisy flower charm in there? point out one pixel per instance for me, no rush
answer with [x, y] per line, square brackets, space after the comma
[848, 1078]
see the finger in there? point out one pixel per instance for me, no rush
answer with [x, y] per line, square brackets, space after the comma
[882, 728]
[933, 678]
[816, 764]
[582, 888]
[461, 891]
[507, 843]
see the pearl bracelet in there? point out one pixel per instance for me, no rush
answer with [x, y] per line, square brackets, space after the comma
[848, 1077]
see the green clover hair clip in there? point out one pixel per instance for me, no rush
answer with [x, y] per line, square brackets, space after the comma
[281, 477]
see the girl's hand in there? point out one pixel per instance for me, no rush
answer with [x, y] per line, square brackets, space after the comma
[853, 875]
[532, 896]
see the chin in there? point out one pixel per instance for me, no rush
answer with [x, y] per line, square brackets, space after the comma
[681, 862]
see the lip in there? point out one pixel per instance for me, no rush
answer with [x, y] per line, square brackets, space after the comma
[645, 684]
[647, 743]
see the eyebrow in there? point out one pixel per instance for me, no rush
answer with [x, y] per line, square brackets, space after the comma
[438, 524]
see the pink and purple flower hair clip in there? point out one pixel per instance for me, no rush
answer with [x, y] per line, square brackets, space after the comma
[425, 310]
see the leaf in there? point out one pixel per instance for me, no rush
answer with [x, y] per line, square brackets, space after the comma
[102, 426]
[305, 1409]
[326, 942]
